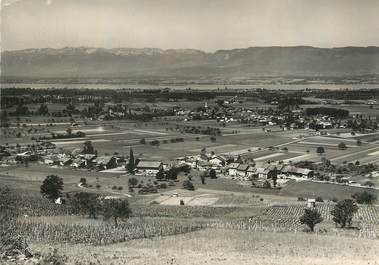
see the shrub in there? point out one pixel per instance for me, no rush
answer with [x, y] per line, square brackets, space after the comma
[52, 187]
[343, 212]
[311, 217]
[188, 185]
[319, 199]
[369, 184]
[83, 181]
[342, 146]
[163, 186]
[116, 208]
[364, 197]
[267, 185]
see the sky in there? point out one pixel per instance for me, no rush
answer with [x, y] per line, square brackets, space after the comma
[207, 25]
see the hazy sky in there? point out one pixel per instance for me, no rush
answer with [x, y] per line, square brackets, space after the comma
[200, 24]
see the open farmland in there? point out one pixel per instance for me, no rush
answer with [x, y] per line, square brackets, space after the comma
[231, 247]
[246, 208]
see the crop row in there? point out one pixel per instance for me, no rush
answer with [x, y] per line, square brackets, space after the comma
[105, 233]
[367, 214]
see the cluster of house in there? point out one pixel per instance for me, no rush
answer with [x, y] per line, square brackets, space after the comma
[258, 117]
[90, 161]
[244, 169]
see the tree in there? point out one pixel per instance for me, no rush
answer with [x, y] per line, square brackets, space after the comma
[202, 177]
[116, 208]
[212, 174]
[359, 142]
[342, 146]
[83, 182]
[142, 141]
[267, 185]
[85, 203]
[131, 164]
[160, 175]
[369, 183]
[69, 131]
[319, 199]
[52, 187]
[364, 197]
[88, 148]
[132, 182]
[320, 150]
[172, 174]
[343, 212]
[311, 217]
[188, 185]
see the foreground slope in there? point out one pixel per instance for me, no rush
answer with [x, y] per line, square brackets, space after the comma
[229, 247]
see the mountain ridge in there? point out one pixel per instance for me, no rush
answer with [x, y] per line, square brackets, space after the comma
[240, 62]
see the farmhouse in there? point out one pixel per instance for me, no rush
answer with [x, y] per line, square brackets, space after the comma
[106, 162]
[266, 172]
[79, 163]
[298, 172]
[242, 170]
[250, 171]
[218, 161]
[232, 169]
[149, 167]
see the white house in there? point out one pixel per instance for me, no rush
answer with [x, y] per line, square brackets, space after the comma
[149, 167]
[232, 169]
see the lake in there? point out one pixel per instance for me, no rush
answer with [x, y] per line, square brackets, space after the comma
[192, 86]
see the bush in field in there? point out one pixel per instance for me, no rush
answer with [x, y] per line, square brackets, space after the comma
[83, 182]
[267, 185]
[364, 197]
[160, 175]
[85, 203]
[163, 186]
[319, 199]
[148, 189]
[88, 148]
[369, 184]
[320, 150]
[212, 174]
[359, 142]
[311, 217]
[188, 185]
[52, 187]
[132, 182]
[116, 208]
[202, 177]
[343, 212]
[172, 174]
[342, 146]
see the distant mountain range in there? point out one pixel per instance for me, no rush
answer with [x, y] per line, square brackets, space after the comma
[84, 62]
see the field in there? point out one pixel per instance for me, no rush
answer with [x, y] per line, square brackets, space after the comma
[223, 221]
[229, 247]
